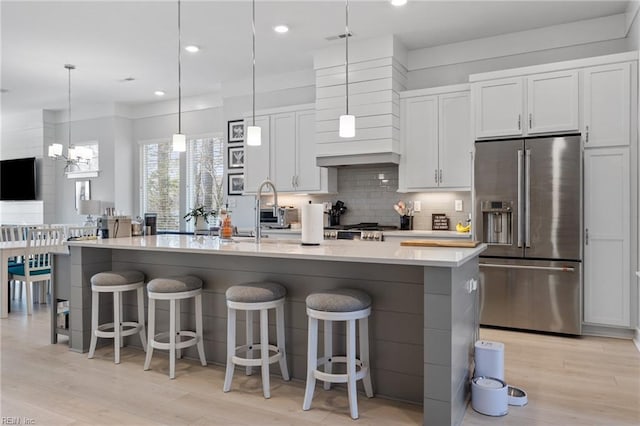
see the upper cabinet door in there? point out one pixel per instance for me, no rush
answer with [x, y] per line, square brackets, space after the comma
[552, 102]
[307, 174]
[498, 108]
[420, 135]
[607, 105]
[456, 142]
[283, 135]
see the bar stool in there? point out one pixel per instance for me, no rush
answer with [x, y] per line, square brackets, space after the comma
[175, 289]
[116, 282]
[250, 297]
[339, 305]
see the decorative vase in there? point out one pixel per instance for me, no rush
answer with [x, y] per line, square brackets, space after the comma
[201, 224]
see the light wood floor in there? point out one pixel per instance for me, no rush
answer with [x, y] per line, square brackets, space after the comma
[587, 381]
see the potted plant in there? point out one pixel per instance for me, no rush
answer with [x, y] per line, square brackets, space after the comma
[201, 217]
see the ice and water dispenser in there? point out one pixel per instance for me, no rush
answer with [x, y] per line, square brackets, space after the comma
[496, 222]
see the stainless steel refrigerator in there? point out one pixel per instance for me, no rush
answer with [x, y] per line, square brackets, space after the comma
[528, 209]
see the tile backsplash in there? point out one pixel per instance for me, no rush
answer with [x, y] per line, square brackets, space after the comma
[369, 193]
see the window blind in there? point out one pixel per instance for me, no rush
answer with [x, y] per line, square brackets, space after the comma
[205, 173]
[161, 184]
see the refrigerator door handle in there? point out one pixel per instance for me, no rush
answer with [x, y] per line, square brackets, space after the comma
[520, 205]
[527, 202]
[543, 268]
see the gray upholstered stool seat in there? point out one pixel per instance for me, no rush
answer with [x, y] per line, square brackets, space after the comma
[116, 282]
[116, 278]
[339, 300]
[349, 306]
[252, 297]
[256, 292]
[174, 289]
[175, 284]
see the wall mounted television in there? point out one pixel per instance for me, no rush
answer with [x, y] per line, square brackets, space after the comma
[18, 179]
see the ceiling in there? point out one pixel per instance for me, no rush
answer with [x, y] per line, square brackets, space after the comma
[109, 41]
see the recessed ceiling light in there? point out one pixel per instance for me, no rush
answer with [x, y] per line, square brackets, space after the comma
[159, 93]
[281, 29]
[192, 48]
[398, 2]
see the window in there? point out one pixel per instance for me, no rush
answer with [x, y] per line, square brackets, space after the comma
[161, 184]
[205, 173]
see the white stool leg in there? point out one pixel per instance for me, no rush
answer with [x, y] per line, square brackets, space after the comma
[351, 368]
[328, 350]
[172, 339]
[94, 322]
[143, 336]
[178, 327]
[281, 341]
[199, 328]
[249, 329]
[231, 347]
[312, 362]
[120, 299]
[364, 355]
[117, 325]
[29, 285]
[264, 351]
[152, 332]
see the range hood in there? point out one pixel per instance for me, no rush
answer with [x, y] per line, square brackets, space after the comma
[377, 75]
[358, 159]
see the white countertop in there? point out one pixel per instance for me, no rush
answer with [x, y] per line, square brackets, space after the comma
[342, 251]
[396, 233]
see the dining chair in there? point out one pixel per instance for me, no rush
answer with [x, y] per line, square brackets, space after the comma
[78, 232]
[37, 261]
[13, 233]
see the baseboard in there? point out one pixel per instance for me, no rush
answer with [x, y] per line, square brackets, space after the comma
[636, 339]
[602, 331]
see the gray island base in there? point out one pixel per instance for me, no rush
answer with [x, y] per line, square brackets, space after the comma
[422, 327]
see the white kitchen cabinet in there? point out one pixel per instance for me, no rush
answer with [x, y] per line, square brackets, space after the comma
[288, 158]
[498, 107]
[607, 105]
[607, 237]
[528, 105]
[436, 140]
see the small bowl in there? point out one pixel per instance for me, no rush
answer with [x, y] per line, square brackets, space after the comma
[517, 397]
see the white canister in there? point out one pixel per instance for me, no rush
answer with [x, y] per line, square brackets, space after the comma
[489, 396]
[489, 357]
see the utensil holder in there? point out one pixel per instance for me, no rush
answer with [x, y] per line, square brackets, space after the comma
[406, 223]
[334, 220]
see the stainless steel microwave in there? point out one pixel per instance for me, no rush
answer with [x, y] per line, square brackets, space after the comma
[285, 217]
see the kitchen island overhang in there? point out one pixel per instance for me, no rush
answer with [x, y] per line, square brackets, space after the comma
[422, 328]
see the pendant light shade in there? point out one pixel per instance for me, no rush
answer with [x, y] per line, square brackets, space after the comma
[179, 140]
[254, 133]
[254, 136]
[347, 126]
[347, 121]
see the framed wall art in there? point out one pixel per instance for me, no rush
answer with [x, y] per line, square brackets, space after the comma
[235, 157]
[235, 131]
[235, 183]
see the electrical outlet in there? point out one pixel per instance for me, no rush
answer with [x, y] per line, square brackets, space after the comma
[232, 202]
[417, 206]
[458, 205]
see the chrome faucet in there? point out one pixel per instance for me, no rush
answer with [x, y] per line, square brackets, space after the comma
[266, 182]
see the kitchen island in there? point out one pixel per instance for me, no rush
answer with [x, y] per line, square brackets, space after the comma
[424, 314]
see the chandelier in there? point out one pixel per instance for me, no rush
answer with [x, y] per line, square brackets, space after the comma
[75, 155]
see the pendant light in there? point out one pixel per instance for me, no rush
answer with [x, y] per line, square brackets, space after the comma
[254, 133]
[347, 121]
[75, 155]
[179, 140]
